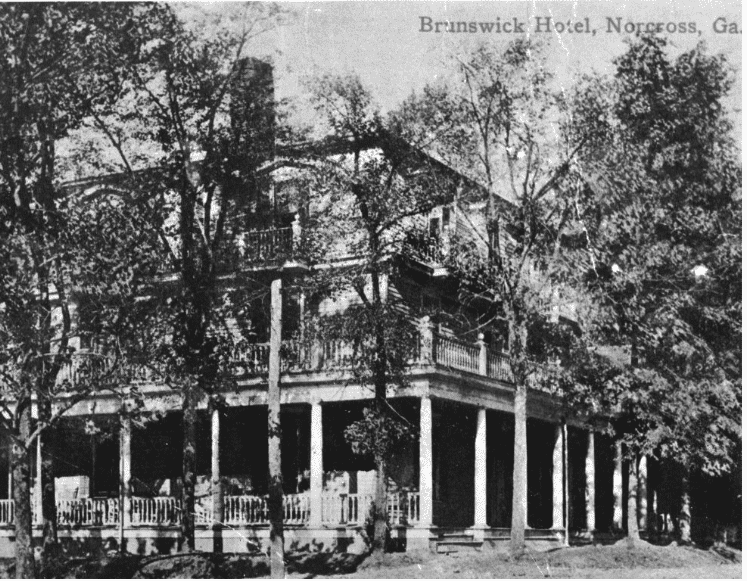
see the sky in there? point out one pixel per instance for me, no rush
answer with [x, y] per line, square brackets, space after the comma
[395, 48]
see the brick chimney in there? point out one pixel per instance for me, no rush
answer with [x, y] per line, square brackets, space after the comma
[252, 109]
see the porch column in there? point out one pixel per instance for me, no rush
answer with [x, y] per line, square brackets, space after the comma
[37, 516]
[617, 489]
[426, 462]
[481, 471]
[590, 488]
[217, 487]
[316, 468]
[643, 494]
[557, 479]
[125, 449]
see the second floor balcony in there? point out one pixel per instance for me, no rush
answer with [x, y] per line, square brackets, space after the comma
[432, 350]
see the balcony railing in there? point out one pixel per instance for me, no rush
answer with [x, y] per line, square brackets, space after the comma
[321, 354]
[457, 354]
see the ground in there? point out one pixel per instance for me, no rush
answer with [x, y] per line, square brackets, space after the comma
[643, 561]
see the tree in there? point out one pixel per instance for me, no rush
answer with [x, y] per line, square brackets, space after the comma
[367, 187]
[48, 50]
[505, 127]
[664, 232]
[204, 113]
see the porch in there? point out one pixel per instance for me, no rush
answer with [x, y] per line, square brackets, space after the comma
[455, 477]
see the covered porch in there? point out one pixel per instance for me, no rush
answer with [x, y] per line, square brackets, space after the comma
[456, 475]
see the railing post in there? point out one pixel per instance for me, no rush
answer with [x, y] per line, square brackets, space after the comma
[296, 230]
[316, 352]
[427, 343]
[483, 356]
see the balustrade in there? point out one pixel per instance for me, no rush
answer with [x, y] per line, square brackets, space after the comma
[88, 512]
[156, 511]
[7, 512]
[337, 509]
[499, 366]
[252, 510]
[267, 244]
[457, 354]
[204, 511]
[353, 509]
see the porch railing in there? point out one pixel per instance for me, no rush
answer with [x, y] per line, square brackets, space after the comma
[7, 511]
[337, 509]
[250, 509]
[353, 509]
[88, 512]
[155, 511]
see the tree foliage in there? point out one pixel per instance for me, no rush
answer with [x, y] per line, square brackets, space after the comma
[664, 233]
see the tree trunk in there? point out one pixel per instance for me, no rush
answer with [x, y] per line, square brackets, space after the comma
[683, 518]
[378, 543]
[274, 433]
[519, 503]
[49, 505]
[24, 552]
[189, 447]
[380, 524]
[632, 519]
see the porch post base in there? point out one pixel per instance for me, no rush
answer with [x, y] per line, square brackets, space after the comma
[479, 532]
[419, 537]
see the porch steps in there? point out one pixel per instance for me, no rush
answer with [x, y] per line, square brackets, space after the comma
[496, 538]
[456, 543]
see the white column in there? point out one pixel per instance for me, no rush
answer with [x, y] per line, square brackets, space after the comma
[557, 479]
[316, 483]
[125, 448]
[426, 462]
[217, 488]
[590, 489]
[643, 494]
[617, 489]
[37, 514]
[481, 471]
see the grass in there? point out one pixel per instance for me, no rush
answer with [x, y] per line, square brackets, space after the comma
[621, 560]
